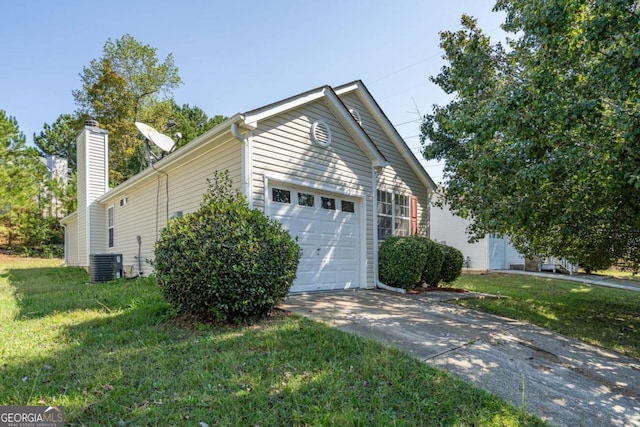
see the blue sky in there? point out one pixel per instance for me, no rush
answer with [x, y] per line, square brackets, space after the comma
[237, 56]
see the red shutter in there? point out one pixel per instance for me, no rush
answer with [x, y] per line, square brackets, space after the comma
[414, 215]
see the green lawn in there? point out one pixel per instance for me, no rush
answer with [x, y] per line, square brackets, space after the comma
[112, 354]
[606, 317]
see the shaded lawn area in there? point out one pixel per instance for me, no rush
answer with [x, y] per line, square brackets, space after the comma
[606, 317]
[113, 354]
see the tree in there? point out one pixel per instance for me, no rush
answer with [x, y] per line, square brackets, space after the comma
[122, 86]
[21, 177]
[542, 139]
[59, 139]
[192, 122]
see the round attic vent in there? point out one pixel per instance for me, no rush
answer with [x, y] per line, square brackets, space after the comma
[356, 115]
[321, 133]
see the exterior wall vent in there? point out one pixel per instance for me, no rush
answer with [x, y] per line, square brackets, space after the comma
[176, 214]
[356, 115]
[321, 133]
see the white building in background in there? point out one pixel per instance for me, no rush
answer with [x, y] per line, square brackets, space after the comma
[489, 253]
[58, 169]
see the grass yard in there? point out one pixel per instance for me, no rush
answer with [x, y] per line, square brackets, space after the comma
[112, 354]
[606, 317]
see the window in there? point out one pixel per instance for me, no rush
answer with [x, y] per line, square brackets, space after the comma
[305, 199]
[328, 203]
[393, 215]
[402, 220]
[348, 206]
[281, 196]
[110, 241]
[124, 201]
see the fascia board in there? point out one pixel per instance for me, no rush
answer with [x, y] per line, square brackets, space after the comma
[361, 137]
[365, 96]
[254, 116]
[178, 155]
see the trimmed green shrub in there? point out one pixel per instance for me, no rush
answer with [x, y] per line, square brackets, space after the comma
[433, 265]
[225, 259]
[401, 261]
[452, 264]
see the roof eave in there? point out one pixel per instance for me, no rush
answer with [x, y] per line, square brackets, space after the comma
[173, 158]
[365, 96]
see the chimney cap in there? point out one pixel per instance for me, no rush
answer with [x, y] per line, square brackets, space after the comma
[92, 123]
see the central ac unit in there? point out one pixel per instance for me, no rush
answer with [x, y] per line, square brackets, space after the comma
[105, 267]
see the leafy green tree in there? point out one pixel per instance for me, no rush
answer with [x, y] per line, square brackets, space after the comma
[542, 138]
[59, 138]
[192, 121]
[123, 86]
[21, 177]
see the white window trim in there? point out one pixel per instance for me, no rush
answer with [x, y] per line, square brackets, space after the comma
[111, 230]
[393, 216]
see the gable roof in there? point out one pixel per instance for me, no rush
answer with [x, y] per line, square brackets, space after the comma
[383, 121]
[333, 102]
[331, 98]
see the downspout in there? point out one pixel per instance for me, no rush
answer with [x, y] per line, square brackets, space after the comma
[374, 176]
[246, 162]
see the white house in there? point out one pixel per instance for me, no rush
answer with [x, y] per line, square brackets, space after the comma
[492, 252]
[327, 163]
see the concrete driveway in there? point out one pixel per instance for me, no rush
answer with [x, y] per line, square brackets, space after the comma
[564, 381]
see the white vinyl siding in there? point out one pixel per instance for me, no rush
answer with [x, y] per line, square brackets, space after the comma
[92, 183]
[397, 176]
[71, 241]
[82, 255]
[283, 147]
[147, 211]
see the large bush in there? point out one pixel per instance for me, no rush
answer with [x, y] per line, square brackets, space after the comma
[401, 261]
[409, 262]
[451, 265]
[225, 259]
[435, 258]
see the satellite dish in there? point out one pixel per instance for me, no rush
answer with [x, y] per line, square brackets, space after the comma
[161, 140]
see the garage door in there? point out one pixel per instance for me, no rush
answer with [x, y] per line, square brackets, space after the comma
[327, 227]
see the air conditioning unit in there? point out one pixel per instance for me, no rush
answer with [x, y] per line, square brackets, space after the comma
[105, 267]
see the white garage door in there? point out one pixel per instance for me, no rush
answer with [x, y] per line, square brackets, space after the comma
[327, 227]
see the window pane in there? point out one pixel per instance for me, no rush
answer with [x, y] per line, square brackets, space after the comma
[384, 203]
[328, 203]
[306, 199]
[403, 227]
[281, 196]
[384, 227]
[348, 206]
[111, 237]
[402, 205]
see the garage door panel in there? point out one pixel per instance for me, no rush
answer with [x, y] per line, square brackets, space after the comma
[329, 239]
